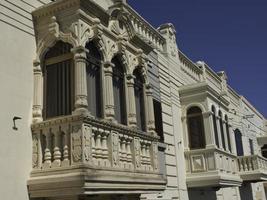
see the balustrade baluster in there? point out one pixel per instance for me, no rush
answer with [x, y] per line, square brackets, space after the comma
[57, 154]
[47, 154]
[65, 142]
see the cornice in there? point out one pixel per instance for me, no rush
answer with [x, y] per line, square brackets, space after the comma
[203, 89]
[56, 7]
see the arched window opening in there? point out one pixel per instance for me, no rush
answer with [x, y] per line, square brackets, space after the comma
[58, 80]
[93, 72]
[119, 91]
[195, 128]
[239, 144]
[228, 133]
[264, 151]
[221, 129]
[215, 126]
[139, 99]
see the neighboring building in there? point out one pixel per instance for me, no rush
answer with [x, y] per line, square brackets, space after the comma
[98, 104]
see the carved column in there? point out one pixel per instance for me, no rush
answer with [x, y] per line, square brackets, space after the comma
[37, 93]
[150, 110]
[108, 91]
[56, 151]
[81, 104]
[131, 101]
[232, 139]
[225, 136]
[209, 131]
[185, 133]
[219, 132]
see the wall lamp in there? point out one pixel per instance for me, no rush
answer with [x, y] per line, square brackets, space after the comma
[14, 122]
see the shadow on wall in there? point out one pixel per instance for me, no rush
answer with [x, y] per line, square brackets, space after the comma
[197, 194]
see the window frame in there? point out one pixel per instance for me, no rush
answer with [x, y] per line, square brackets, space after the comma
[53, 60]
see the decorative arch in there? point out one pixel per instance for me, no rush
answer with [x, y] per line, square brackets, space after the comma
[52, 36]
[119, 19]
[187, 107]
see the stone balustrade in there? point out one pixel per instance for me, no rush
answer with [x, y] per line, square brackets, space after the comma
[189, 67]
[92, 156]
[70, 141]
[252, 167]
[211, 167]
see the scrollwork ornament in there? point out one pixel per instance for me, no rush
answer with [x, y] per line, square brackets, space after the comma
[87, 142]
[115, 150]
[77, 144]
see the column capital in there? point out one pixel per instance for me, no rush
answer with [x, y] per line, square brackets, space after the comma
[207, 114]
[36, 65]
[79, 49]
[130, 79]
[108, 67]
[108, 64]
[79, 52]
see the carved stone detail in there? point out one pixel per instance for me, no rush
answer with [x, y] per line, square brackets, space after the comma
[137, 152]
[115, 149]
[35, 153]
[87, 144]
[76, 143]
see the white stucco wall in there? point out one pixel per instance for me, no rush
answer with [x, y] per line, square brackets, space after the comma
[17, 52]
[16, 85]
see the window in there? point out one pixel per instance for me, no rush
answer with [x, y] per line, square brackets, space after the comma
[158, 119]
[239, 144]
[221, 128]
[93, 72]
[119, 91]
[139, 99]
[228, 133]
[195, 128]
[215, 126]
[58, 81]
[251, 147]
[264, 151]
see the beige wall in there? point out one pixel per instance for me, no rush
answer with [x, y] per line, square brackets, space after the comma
[17, 52]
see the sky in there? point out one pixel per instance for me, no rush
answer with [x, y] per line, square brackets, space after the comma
[229, 35]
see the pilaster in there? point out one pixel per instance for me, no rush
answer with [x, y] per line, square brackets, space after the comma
[37, 93]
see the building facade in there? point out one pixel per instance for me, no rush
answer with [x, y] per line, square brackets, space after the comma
[98, 104]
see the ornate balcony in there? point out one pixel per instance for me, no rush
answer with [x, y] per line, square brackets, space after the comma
[77, 155]
[252, 168]
[211, 168]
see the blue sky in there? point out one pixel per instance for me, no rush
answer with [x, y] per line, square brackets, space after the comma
[228, 35]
